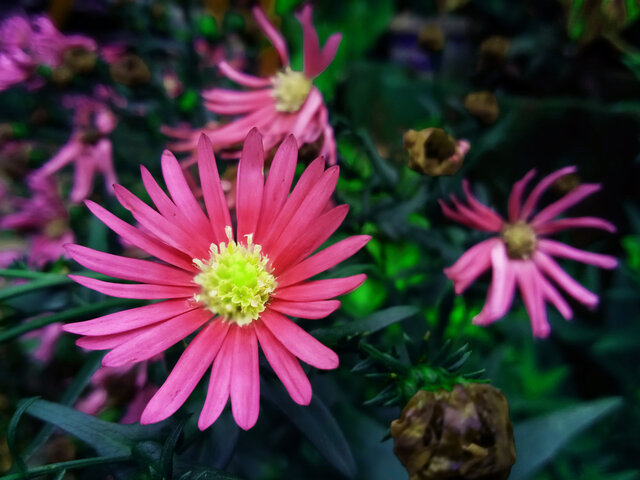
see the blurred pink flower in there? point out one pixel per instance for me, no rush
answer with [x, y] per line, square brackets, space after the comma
[48, 337]
[42, 219]
[522, 254]
[26, 43]
[89, 147]
[286, 103]
[234, 285]
[128, 385]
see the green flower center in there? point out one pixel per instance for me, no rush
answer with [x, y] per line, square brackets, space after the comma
[236, 282]
[290, 89]
[520, 240]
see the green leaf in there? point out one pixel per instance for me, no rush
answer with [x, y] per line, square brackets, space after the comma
[317, 424]
[540, 439]
[63, 466]
[365, 326]
[11, 433]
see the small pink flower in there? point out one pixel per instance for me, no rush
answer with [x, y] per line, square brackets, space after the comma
[286, 103]
[522, 254]
[43, 219]
[235, 288]
[89, 147]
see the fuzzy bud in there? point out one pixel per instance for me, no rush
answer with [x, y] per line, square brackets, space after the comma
[130, 70]
[483, 105]
[431, 38]
[80, 60]
[464, 434]
[434, 152]
[493, 52]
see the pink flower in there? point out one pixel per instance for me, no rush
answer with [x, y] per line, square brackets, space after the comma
[283, 104]
[25, 44]
[236, 289]
[43, 219]
[89, 147]
[522, 254]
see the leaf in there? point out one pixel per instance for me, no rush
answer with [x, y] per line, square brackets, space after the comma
[318, 425]
[11, 433]
[365, 326]
[540, 439]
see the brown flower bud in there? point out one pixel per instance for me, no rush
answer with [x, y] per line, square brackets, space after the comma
[80, 60]
[566, 183]
[493, 52]
[130, 70]
[451, 5]
[434, 152]
[431, 38]
[483, 105]
[464, 434]
[6, 132]
[61, 76]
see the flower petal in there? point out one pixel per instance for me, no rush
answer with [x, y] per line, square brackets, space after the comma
[533, 298]
[310, 310]
[244, 389]
[502, 288]
[569, 200]
[491, 217]
[250, 185]
[186, 374]
[218, 390]
[533, 198]
[242, 78]
[272, 34]
[320, 289]
[554, 226]
[285, 365]
[558, 249]
[515, 197]
[299, 342]
[473, 263]
[135, 290]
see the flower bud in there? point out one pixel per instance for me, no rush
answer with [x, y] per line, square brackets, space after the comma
[61, 76]
[434, 152]
[431, 38]
[130, 70]
[483, 105]
[493, 52]
[464, 434]
[80, 60]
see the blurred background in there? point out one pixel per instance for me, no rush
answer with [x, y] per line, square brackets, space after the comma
[531, 84]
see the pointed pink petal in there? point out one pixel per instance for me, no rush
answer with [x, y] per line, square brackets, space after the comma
[66, 155]
[272, 34]
[250, 185]
[324, 260]
[242, 78]
[299, 342]
[134, 290]
[305, 115]
[244, 389]
[558, 249]
[285, 365]
[129, 268]
[491, 217]
[568, 201]
[107, 342]
[320, 289]
[105, 150]
[212, 189]
[130, 319]
[225, 96]
[306, 182]
[481, 221]
[218, 390]
[502, 289]
[299, 247]
[564, 280]
[186, 374]
[84, 171]
[159, 226]
[515, 197]
[315, 60]
[310, 310]
[551, 294]
[183, 196]
[278, 183]
[532, 295]
[532, 200]
[160, 199]
[156, 338]
[473, 263]
[554, 226]
[140, 239]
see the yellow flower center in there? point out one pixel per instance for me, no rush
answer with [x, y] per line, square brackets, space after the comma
[236, 282]
[520, 240]
[290, 89]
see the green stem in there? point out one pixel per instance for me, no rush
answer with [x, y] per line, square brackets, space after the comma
[66, 316]
[41, 282]
[72, 464]
[32, 274]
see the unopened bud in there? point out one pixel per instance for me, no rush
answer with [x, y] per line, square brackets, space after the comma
[80, 60]
[61, 76]
[431, 38]
[434, 152]
[493, 52]
[130, 70]
[464, 434]
[483, 105]
[566, 183]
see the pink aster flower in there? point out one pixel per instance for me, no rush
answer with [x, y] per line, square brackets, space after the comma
[283, 104]
[235, 286]
[89, 147]
[522, 254]
[43, 219]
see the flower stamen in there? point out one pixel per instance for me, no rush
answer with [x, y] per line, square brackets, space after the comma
[290, 89]
[520, 240]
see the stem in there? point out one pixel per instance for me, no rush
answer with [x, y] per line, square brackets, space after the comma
[72, 464]
[32, 274]
[66, 316]
[41, 282]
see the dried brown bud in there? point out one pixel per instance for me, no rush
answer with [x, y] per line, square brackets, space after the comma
[80, 60]
[431, 38]
[6, 132]
[434, 152]
[451, 5]
[483, 105]
[493, 52]
[566, 183]
[130, 70]
[61, 76]
[464, 434]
